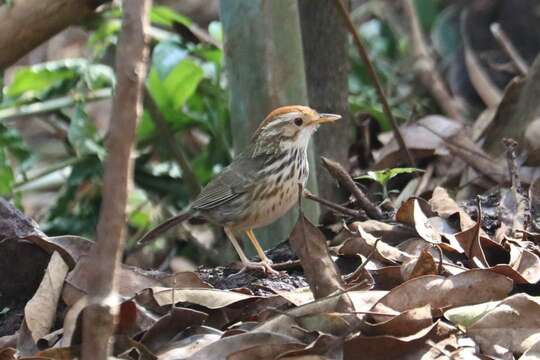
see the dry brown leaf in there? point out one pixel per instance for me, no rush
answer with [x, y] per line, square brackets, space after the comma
[264, 351]
[412, 213]
[168, 326]
[130, 281]
[72, 248]
[524, 266]
[184, 279]
[325, 347]
[224, 347]
[337, 324]
[286, 323]
[420, 141]
[443, 205]
[469, 240]
[8, 353]
[363, 243]
[405, 324]
[184, 348]
[40, 311]
[387, 347]
[209, 298]
[309, 244]
[296, 297]
[470, 287]
[364, 300]
[532, 353]
[387, 278]
[424, 264]
[389, 233]
[514, 324]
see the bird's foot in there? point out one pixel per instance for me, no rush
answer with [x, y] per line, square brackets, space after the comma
[265, 266]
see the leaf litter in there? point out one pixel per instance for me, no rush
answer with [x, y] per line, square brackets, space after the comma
[429, 279]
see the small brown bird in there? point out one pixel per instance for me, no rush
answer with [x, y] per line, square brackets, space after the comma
[261, 184]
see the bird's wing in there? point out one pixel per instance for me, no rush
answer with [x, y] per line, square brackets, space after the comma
[233, 181]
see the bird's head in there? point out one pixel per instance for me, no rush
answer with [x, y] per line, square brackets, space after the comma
[289, 127]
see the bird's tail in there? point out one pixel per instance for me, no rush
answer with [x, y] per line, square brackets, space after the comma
[166, 225]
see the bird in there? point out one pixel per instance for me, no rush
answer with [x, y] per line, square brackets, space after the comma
[261, 184]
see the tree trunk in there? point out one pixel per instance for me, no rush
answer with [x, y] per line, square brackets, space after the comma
[265, 68]
[324, 39]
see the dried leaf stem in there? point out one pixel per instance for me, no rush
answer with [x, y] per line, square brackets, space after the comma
[509, 48]
[376, 81]
[426, 69]
[343, 177]
[355, 214]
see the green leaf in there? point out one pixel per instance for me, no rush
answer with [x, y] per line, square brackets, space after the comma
[427, 11]
[165, 16]
[383, 176]
[182, 82]
[166, 55]
[7, 179]
[82, 134]
[98, 76]
[104, 36]
[216, 31]
[34, 81]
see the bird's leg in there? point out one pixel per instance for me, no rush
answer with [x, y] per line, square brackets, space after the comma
[245, 262]
[257, 246]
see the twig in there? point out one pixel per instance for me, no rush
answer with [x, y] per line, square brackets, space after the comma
[426, 69]
[355, 214]
[522, 214]
[509, 48]
[131, 58]
[176, 149]
[343, 177]
[44, 172]
[375, 78]
[44, 107]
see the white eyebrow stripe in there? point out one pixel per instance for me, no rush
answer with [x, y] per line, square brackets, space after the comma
[283, 118]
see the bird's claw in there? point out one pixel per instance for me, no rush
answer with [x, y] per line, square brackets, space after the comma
[265, 266]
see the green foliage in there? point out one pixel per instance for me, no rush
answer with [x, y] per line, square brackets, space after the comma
[384, 176]
[13, 151]
[186, 82]
[53, 79]
[390, 54]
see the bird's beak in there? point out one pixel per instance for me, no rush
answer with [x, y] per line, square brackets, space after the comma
[325, 118]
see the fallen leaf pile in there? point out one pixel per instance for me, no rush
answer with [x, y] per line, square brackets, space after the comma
[430, 283]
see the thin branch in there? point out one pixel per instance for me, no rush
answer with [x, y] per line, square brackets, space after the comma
[44, 172]
[343, 177]
[506, 44]
[426, 69]
[48, 106]
[131, 59]
[376, 81]
[176, 149]
[355, 214]
[522, 211]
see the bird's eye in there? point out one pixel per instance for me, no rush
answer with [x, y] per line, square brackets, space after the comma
[298, 121]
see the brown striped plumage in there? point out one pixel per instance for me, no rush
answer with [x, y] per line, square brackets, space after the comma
[261, 184]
